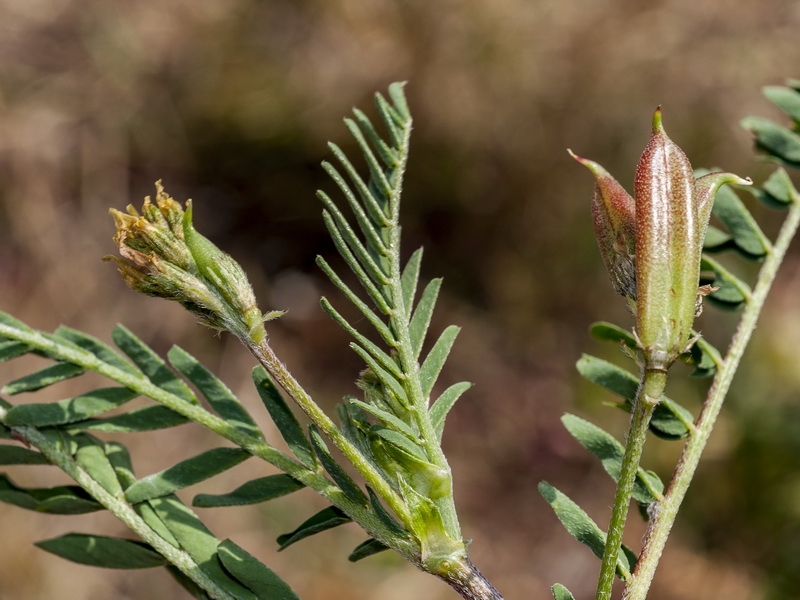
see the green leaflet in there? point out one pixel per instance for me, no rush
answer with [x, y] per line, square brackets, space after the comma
[366, 549]
[582, 528]
[778, 192]
[283, 417]
[185, 473]
[608, 332]
[43, 378]
[195, 538]
[357, 256]
[155, 523]
[221, 399]
[339, 476]
[70, 410]
[409, 280]
[775, 140]
[362, 307]
[148, 418]
[647, 488]
[400, 441]
[785, 98]
[561, 593]
[120, 460]
[252, 492]
[377, 354]
[389, 380]
[187, 584]
[151, 364]
[92, 457]
[387, 418]
[670, 420]
[384, 515]
[10, 349]
[258, 578]
[745, 232]
[9, 321]
[16, 455]
[102, 551]
[372, 282]
[325, 519]
[732, 292]
[706, 358]
[716, 239]
[59, 500]
[443, 404]
[421, 317]
[434, 362]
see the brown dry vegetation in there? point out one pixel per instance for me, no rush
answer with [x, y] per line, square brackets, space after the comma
[231, 102]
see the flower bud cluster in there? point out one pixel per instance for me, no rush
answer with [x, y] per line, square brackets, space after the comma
[163, 255]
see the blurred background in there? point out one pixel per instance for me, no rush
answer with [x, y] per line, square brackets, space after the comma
[231, 103]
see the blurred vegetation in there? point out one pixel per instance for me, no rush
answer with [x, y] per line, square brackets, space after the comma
[231, 103]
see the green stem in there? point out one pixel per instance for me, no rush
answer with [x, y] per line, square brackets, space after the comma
[267, 357]
[647, 398]
[667, 510]
[121, 509]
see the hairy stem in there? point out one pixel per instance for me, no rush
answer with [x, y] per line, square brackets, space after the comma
[647, 398]
[469, 582]
[667, 509]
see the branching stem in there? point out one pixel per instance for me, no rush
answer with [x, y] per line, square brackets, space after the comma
[667, 510]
